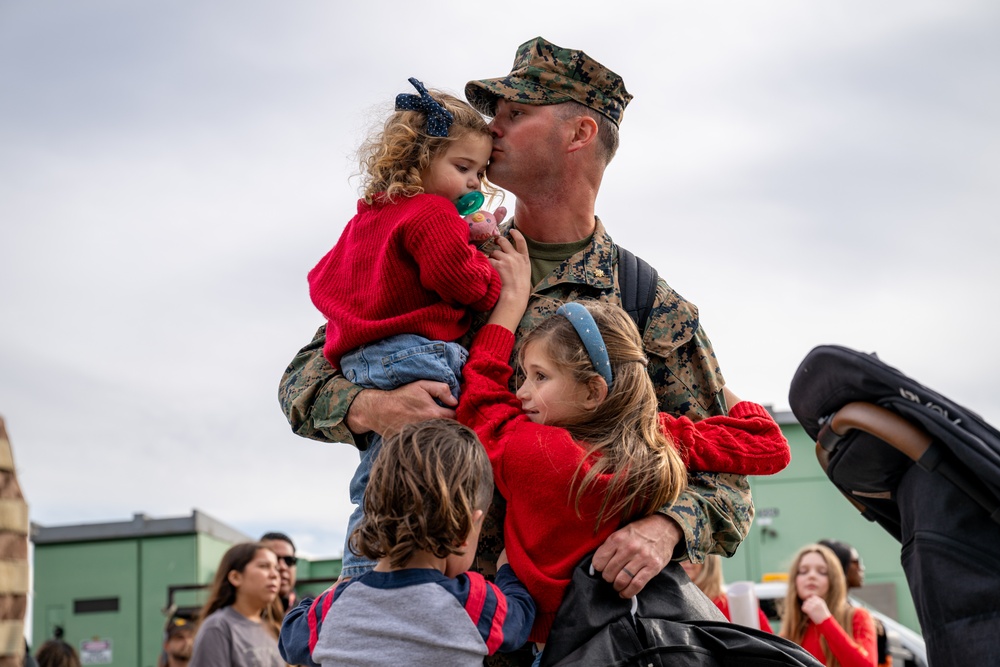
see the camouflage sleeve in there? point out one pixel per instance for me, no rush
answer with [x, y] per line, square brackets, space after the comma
[315, 397]
[715, 511]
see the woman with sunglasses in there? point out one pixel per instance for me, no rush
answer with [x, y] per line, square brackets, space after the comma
[242, 618]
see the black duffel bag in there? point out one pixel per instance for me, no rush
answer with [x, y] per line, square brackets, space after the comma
[672, 623]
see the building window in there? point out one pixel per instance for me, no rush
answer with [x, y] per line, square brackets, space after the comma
[94, 605]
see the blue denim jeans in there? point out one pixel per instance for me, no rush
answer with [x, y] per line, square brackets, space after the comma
[389, 364]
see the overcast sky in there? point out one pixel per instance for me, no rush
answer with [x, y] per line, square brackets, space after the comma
[805, 172]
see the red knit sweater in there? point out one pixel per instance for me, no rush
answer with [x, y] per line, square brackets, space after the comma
[534, 467]
[859, 650]
[401, 267]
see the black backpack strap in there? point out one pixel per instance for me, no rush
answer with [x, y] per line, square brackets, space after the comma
[637, 282]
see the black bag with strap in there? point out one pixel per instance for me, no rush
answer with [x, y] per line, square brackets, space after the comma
[928, 471]
[637, 282]
[672, 623]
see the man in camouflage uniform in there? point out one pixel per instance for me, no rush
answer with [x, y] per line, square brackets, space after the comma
[555, 125]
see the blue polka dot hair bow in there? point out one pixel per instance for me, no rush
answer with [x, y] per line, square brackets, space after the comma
[438, 118]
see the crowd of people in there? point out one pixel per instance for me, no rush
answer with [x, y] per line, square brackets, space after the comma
[511, 416]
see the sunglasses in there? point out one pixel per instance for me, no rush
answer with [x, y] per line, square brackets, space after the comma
[290, 561]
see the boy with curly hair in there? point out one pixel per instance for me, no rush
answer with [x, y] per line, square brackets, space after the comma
[424, 508]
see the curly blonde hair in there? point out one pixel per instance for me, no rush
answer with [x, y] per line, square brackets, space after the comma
[392, 158]
[622, 435]
[425, 486]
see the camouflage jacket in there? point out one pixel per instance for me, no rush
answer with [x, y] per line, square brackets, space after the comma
[716, 509]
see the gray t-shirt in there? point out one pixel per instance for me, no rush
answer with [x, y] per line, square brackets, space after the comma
[227, 638]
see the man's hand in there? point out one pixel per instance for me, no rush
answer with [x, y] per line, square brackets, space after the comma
[633, 555]
[500, 214]
[385, 412]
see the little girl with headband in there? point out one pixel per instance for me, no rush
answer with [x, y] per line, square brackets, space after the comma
[581, 449]
[400, 284]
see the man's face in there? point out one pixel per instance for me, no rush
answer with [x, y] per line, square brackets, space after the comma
[179, 645]
[527, 145]
[283, 550]
[855, 571]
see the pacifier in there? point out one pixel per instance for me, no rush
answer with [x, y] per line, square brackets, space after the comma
[470, 202]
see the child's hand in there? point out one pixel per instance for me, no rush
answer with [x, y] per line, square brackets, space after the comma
[512, 263]
[815, 608]
[502, 559]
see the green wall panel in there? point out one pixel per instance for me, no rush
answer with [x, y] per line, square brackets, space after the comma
[69, 573]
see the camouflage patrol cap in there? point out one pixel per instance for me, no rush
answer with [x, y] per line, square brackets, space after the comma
[544, 73]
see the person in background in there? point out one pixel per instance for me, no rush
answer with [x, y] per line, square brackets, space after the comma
[178, 642]
[708, 577]
[57, 653]
[240, 621]
[427, 495]
[854, 572]
[817, 616]
[284, 549]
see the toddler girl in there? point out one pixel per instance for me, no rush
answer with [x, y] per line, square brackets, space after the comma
[582, 449]
[398, 286]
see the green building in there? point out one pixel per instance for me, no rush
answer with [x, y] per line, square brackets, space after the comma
[108, 586]
[800, 505]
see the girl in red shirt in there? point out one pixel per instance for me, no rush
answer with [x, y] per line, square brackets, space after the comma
[816, 613]
[582, 448]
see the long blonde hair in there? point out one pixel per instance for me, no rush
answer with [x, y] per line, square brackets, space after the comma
[392, 157]
[710, 580]
[794, 622]
[622, 435]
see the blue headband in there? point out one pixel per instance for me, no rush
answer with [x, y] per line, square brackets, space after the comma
[586, 328]
[438, 118]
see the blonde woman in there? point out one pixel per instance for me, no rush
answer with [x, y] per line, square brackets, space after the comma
[817, 616]
[708, 577]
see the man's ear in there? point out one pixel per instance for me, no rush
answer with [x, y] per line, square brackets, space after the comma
[597, 391]
[584, 132]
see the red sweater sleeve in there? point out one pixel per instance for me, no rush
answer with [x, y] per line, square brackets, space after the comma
[486, 404]
[745, 442]
[449, 265]
[859, 651]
